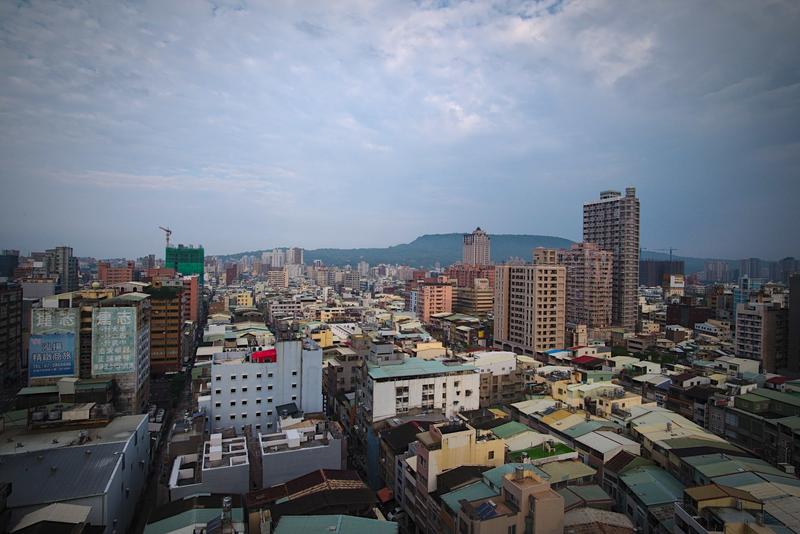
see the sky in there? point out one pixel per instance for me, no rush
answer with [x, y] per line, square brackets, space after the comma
[247, 125]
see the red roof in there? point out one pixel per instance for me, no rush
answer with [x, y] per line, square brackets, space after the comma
[777, 380]
[581, 360]
[261, 356]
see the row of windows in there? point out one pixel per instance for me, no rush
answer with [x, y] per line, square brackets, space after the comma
[245, 377]
[244, 389]
[243, 402]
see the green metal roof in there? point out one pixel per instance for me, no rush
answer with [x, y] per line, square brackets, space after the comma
[337, 524]
[786, 398]
[414, 367]
[190, 518]
[471, 492]
[510, 429]
[38, 390]
[714, 465]
[652, 485]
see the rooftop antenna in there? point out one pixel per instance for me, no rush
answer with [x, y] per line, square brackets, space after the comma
[168, 233]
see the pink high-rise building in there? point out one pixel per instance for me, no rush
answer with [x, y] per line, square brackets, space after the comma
[589, 282]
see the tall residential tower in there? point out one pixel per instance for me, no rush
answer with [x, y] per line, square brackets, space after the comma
[613, 223]
[477, 248]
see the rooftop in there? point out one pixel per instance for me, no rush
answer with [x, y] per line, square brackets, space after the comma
[652, 485]
[415, 367]
[540, 451]
[118, 430]
[334, 524]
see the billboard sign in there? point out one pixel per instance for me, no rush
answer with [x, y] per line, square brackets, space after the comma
[113, 340]
[53, 347]
[51, 355]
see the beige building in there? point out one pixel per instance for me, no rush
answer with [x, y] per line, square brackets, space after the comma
[526, 504]
[278, 277]
[761, 334]
[477, 248]
[477, 300]
[444, 447]
[613, 223]
[530, 305]
[589, 277]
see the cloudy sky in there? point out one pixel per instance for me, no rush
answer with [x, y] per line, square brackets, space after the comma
[245, 125]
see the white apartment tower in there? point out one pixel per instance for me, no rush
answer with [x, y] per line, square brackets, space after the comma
[477, 248]
[613, 223]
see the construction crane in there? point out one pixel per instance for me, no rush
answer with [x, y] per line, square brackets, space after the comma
[167, 232]
[670, 250]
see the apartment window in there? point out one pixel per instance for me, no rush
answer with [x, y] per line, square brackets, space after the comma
[269, 375]
[244, 403]
[491, 455]
[294, 386]
[217, 405]
[244, 377]
[258, 401]
[258, 388]
[269, 412]
[294, 397]
[218, 378]
[294, 373]
[217, 392]
[258, 375]
[258, 427]
[217, 418]
[233, 390]
[233, 403]
[269, 399]
[258, 414]
[233, 416]
[244, 390]
[233, 377]
[269, 387]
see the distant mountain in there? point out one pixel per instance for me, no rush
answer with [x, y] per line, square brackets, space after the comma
[426, 250]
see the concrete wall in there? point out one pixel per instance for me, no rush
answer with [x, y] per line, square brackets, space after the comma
[296, 374]
[278, 467]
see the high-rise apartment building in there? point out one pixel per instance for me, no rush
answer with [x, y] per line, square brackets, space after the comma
[166, 328]
[10, 332]
[186, 260]
[9, 260]
[477, 248]
[761, 334]
[294, 256]
[530, 305]
[465, 275]
[653, 272]
[793, 359]
[60, 261]
[613, 223]
[477, 300]
[121, 348]
[589, 284]
[115, 275]
[431, 297]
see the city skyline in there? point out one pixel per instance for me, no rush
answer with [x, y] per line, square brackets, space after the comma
[409, 118]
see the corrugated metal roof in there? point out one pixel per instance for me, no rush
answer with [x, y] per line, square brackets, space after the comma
[472, 492]
[652, 485]
[509, 429]
[55, 475]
